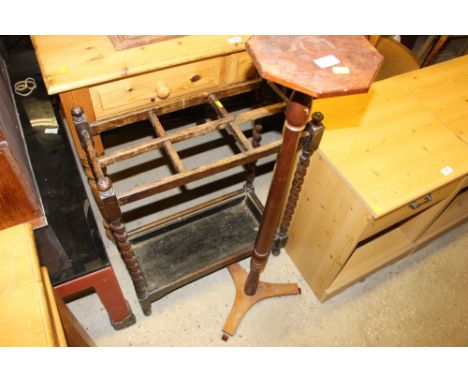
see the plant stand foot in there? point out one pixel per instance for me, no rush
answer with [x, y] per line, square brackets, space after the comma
[243, 302]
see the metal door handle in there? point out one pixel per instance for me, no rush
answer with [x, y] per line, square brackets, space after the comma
[427, 198]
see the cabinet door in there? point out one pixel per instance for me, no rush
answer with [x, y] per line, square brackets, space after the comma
[19, 197]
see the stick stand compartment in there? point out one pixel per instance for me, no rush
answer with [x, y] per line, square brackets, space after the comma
[199, 242]
[164, 255]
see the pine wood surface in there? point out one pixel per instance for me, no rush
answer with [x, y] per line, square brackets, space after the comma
[379, 149]
[131, 41]
[389, 147]
[327, 210]
[72, 62]
[442, 89]
[151, 89]
[25, 318]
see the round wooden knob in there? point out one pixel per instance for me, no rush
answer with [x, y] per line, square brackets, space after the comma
[162, 90]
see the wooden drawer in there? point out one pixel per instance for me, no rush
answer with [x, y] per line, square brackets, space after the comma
[141, 91]
[416, 206]
[148, 89]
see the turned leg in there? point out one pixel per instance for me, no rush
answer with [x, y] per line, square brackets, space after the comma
[88, 169]
[297, 114]
[67, 101]
[257, 128]
[311, 142]
[110, 205]
[95, 192]
[256, 139]
[249, 289]
[125, 248]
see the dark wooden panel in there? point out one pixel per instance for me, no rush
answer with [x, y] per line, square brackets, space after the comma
[10, 128]
[19, 198]
[17, 202]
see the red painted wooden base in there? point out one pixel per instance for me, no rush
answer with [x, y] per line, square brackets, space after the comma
[243, 302]
[108, 289]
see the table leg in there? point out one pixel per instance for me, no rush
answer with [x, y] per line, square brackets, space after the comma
[249, 289]
[311, 142]
[297, 114]
[110, 205]
[67, 101]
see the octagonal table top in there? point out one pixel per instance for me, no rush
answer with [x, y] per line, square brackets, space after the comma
[321, 66]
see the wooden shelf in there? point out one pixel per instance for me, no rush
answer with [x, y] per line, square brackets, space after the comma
[454, 214]
[370, 257]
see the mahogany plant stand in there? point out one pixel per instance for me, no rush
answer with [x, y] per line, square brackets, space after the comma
[290, 61]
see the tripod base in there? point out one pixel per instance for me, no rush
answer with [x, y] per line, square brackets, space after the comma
[243, 302]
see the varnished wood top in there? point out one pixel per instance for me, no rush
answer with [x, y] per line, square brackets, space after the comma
[442, 89]
[72, 62]
[321, 66]
[391, 145]
[25, 305]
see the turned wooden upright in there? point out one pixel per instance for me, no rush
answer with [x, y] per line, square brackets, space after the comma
[313, 67]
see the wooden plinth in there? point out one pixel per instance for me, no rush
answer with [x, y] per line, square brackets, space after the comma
[243, 302]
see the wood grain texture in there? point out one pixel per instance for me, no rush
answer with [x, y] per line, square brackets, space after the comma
[310, 143]
[132, 41]
[399, 148]
[168, 146]
[326, 226]
[391, 245]
[169, 182]
[297, 114]
[53, 303]
[26, 318]
[80, 98]
[383, 146]
[289, 61]
[141, 91]
[190, 132]
[19, 197]
[406, 211]
[18, 203]
[75, 334]
[232, 127]
[441, 89]
[242, 302]
[456, 212]
[368, 258]
[178, 103]
[73, 62]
